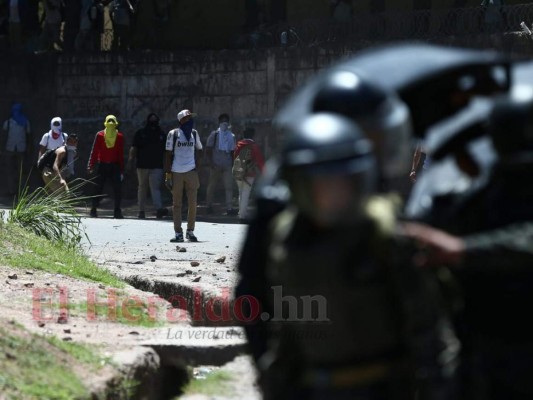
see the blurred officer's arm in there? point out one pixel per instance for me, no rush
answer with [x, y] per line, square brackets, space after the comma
[482, 251]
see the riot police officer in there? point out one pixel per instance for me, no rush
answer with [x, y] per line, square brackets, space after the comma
[342, 92]
[349, 317]
[488, 242]
[433, 83]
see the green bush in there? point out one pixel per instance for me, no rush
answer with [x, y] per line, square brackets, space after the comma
[51, 215]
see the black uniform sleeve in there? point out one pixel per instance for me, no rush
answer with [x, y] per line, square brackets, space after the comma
[502, 250]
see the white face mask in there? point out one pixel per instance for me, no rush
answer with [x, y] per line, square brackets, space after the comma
[224, 126]
[71, 148]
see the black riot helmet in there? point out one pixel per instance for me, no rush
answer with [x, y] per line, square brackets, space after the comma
[329, 167]
[382, 116]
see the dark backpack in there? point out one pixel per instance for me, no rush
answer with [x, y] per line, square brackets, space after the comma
[47, 159]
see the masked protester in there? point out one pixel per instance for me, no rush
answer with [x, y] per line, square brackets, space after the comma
[106, 162]
[148, 152]
[183, 151]
[220, 148]
[54, 138]
[55, 167]
[247, 166]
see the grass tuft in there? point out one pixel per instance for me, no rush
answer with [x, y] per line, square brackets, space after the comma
[32, 367]
[51, 215]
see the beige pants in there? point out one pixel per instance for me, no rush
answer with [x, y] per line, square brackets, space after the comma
[51, 181]
[190, 182]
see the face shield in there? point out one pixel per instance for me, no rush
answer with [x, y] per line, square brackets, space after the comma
[333, 194]
[389, 129]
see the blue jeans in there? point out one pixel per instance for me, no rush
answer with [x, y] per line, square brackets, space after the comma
[153, 178]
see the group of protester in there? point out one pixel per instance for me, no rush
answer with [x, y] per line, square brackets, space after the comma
[154, 154]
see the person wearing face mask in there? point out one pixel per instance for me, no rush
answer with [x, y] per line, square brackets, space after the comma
[148, 151]
[219, 149]
[54, 165]
[182, 155]
[54, 138]
[107, 163]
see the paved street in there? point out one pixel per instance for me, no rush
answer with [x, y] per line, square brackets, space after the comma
[140, 252]
[134, 239]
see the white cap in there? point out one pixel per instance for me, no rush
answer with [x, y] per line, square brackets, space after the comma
[185, 113]
[57, 121]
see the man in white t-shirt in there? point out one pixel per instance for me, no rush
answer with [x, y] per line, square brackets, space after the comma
[182, 157]
[54, 139]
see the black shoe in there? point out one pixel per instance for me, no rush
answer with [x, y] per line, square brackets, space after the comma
[162, 212]
[177, 239]
[231, 211]
[118, 214]
[190, 236]
[141, 215]
[93, 213]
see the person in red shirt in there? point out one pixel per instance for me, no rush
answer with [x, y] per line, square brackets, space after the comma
[256, 165]
[107, 162]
